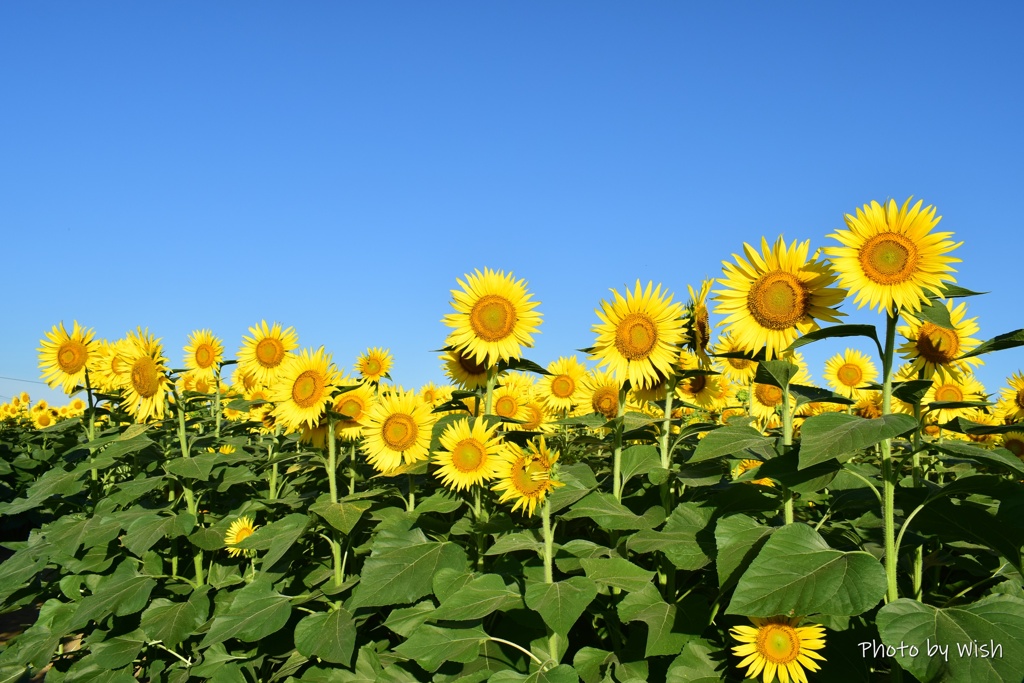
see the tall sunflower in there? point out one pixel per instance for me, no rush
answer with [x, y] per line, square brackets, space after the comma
[494, 317]
[470, 454]
[145, 383]
[890, 259]
[303, 389]
[771, 298]
[64, 357]
[397, 429]
[108, 369]
[1013, 398]
[847, 372]
[934, 350]
[639, 335]
[374, 365]
[203, 353]
[778, 646]
[525, 476]
[263, 354]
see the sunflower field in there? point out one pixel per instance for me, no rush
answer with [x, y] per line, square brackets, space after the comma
[690, 509]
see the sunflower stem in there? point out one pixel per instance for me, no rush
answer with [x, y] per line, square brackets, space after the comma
[888, 475]
[352, 470]
[190, 501]
[549, 575]
[489, 396]
[91, 425]
[617, 453]
[411, 504]
[332, 459]
[216, 401]
[917, 573]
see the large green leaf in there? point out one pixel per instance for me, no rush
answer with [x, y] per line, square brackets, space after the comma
[776, 373]
[431, 646]
[196, 467]
[831, 435]
[610, 514]
[1000, 458]
[796, 572]
[697, 663]
[838, 331]
[739, 538]
[144, 532]
[563, 673]
[342, 515]
[617, 572]
[256, 612]
[172, 622]
[561, 603]
[663, 635]
[1008, 340]
[331, 636]
[639, 460]
[123, 592]
[679, 539]
[403, 575]
[276, 538]
[735, 441]
[578, 480]
[118, 651]
[949, 641]
[477, 599]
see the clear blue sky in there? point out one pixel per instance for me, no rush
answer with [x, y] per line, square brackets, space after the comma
[336, 166]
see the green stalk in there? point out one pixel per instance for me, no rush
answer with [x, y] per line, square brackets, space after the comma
[549, 575]
[617, 453]
[352, 471]
[916, 576]
[411, 504]
[332, 460]
[489, 399]
[216, 401]
[787, 442]
[888, 475]
[190, 501]
[91, 426]
[272, 494]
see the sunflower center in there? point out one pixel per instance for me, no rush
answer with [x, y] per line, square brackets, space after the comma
[605, 401]
[523, 477]
[308, 388]
[701, 327]
[242, 534]
[778, 643]
[371, 366]
[71, 356]
[850, 374]
[202, 385]
[636, 336]
[145, 377]
[350, 407]
[269, 352]
[468, 455]
[949, 392]
[493, 318]
[536, 416]
[888, 258]
[45, 420]
[562, 386]
[739, 363]
[1020, 398]
[768, 395]
[506, 406]
[778, 300]
[1015, 446]
[695, 385]
[399, 432]
[204, 356]
[469, 365]
[937, 344]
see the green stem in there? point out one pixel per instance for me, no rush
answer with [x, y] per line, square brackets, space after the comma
[888, 474]
[489, 397]
[91, 425]
[332, 460]
[787, 443]
[216, 401]
[917, 574]
[617, 453]
[190, 501]
[549, 575]
[411, 504]
[352, 470]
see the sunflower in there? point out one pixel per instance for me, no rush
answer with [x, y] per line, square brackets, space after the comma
[953, 390]
[934, 350]
[525, 476]
[64, 357]
[638, 335]
[847, 372]
[1013, 398]
[303, 388]
[44, 418]
[435, 395]
[145, 383]
[982, 417]
[773, 297]
[1014, 442]
[509, 403]
[263, 354]
[353, 404]
[239, 530]
[779, 646]
[869, 405]
[746, 465]
[470, 453]
[740, 370]
[535, 417]
[463, 369]
[397, 429]
[889, 257]
[767, 398]
[203, 353]
[600, 394]
[374, 364]
[708, 392]
[698, 326]
[494, 317]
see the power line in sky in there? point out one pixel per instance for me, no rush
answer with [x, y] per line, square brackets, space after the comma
[28, 381]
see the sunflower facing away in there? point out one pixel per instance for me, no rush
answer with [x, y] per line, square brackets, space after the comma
[470, 453]
[847, 372]
[1013, 398]
[63, 357]
[525, 476]
[397, 430]
[263, 354]
[889, 257]
[494, 317]
[239, 530]
[934, 350]
[203, 353]
[639, 335]
[373, 365]
[303, 388]
[145, 384]
[698, 325]
[462, 369]
[778, 646]
[771, 298]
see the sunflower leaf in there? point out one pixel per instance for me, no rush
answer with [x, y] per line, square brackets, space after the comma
[911, 391]
[951, 291]
[835, 331]
[777, 373]
[561, 603]
[403, 575]
[431, 646]
[617, 572]
[935, 313]
[733, 440]
[1000, 457]
[997, 343]
[831, 435]
[329, 636]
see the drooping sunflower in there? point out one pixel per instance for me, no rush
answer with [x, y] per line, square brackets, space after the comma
[64, 357]
[777, 646]
[698, 325]
[639, 335]
[1014, 442]
[525, 476]
[146, 383]
[965, 388]
[890, 259]
[470, 454]
[934, 350]
[303, 389]
[462, 369]
[373, 365]
[601, 394]
[263, 354]
[494, 317]
[240, 529]
[740, 370]
[847, 372]
[397, 430]
[771, 298]
[203, 353]
[1013, 398]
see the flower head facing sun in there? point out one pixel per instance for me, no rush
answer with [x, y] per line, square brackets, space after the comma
[777, 646]
[739, 370]
[1013, 398]
[145, 382]
[203, 353]
[639, 335]
[374, 365]
[847, 372]
[303, 388]
[463, 369]
[494, 317]
[772, 297]
[935, 350]
[64, 357]
[239, 530]
[526, 476]
[470, 453]
[263, 354]
[890, 259]
[397, 430]
[563, 388]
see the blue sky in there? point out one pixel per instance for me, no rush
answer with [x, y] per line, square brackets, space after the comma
[337, 166]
